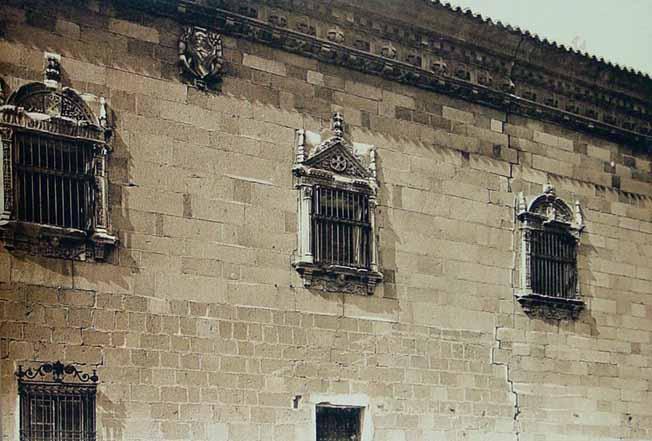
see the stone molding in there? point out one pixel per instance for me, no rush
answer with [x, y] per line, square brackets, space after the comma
[431, 61]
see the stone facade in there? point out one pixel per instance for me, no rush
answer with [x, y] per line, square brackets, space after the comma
[197, 323]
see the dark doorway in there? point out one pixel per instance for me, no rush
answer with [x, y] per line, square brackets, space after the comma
[338, 423]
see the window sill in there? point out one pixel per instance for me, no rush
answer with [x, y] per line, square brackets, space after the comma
[552, 308]
[340, 279]
[50, 241]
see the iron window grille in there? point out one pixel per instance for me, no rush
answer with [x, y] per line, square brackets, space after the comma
[54, 181]
[553, 263]
[341, 228]
[54, 409]
[550, 236]
[53, 156]
[337, 198]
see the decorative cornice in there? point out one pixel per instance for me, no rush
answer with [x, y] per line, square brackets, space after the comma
[536, 38]
[457, 69]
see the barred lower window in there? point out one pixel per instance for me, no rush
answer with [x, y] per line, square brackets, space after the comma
[53, 181]
[57, 403]
[55, 412]
[341, 228]
[553, 263]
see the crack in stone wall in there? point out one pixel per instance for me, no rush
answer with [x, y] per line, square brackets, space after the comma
[498, 342]
[512, 389]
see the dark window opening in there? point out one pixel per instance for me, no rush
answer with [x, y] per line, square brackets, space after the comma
[553, 263]
[53, 181]
[341, 230]
[57, 412]
[338, 423]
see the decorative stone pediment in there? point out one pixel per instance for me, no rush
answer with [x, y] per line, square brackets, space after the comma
[335, 158]
[37, 106]
[547, 208]
[41, 99]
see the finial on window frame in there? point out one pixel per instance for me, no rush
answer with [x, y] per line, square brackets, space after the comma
[52, 71]
[338, 125]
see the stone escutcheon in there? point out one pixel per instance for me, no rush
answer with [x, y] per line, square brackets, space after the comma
[201, 56]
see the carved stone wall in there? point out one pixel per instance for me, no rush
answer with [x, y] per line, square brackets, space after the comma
[199, 327]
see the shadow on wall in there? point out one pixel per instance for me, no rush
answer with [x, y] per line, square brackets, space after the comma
[387, 237]
[587, 250]
[111, 417]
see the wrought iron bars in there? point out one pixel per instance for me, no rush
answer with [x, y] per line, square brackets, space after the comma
[341, 228]
[54, 410]
[54, 179]
[57, 412]
[553, 263]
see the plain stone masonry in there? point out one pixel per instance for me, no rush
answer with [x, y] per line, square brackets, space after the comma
[201, 330]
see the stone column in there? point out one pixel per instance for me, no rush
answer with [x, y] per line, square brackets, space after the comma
[6, 171]
[101, 224]
[526, 272]
[305, 224]
[374, 233]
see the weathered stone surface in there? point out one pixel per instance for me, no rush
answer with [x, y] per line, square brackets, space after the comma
[201, 329]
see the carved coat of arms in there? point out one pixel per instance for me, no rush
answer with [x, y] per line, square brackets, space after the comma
[201, 56]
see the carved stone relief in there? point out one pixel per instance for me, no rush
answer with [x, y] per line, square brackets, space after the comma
[201, 56]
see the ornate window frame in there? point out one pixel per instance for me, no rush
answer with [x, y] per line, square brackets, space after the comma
[50, 110]
[547, 212]
[334, 163]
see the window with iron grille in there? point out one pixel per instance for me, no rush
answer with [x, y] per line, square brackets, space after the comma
[550, 232]
[341, 228]
[337, 198]
[553, 263]
[53, 181]
[54, 186]
[56, 412]
[57, 403]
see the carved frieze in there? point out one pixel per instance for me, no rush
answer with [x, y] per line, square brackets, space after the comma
[433, 61]
[201, 56]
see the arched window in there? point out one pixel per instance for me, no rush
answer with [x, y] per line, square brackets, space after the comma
[337, 200]
[54, 189]
[550, 233]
